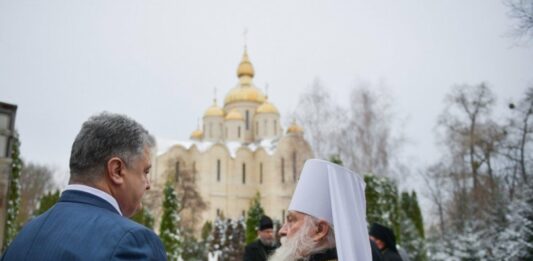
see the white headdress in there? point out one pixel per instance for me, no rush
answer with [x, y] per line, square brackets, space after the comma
[337, 195]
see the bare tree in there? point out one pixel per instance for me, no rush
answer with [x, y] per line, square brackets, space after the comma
[522, 12]
[35, 181]
[436, 181]
[191, 202]
[468, 108]
[318, 115]
[367, 142]
[518, 143]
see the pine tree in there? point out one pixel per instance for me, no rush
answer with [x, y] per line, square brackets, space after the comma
[144, 217]
[411, 239]
[169, 229]
[47, 201]
[516, 240]
[234, 240]
[382, 203]
[416, 215]
[216, 238]
[13, 202]
[255, 213]
[468, 245]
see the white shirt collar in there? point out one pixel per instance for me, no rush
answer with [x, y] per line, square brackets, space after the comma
[94, 191]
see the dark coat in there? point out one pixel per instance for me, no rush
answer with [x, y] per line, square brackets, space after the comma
[376, 254]
[256, 251]
[82, 226]
[389, 255]
[329, 255]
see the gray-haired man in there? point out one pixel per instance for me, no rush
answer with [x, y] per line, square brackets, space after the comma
[109, 166]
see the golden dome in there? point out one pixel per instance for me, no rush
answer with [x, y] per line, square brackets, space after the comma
[234, 115]
[245, 90]
[197, 135]
[244, 93]
[214, 110]
[267, 107]
[294, 128]
[245, 67]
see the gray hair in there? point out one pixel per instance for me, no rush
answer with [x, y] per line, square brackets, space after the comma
[102, 137]
[329, 242]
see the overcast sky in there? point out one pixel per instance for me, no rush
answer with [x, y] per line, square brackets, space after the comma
[158, 61]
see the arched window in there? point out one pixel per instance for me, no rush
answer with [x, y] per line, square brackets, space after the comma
[177, 173]
[218, 170]
[261, 173]
[275, 127]
[265, 129]
[247, 120]
[244, 173]
[257, 128]
[194, 171]
[239, 132]
[294, 166]
[210, 130]
[282, 170]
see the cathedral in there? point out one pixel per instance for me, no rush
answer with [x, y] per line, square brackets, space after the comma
[241, 150]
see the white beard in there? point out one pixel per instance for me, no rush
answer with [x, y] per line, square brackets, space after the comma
[296, 247]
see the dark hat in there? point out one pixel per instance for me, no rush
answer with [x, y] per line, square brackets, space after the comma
[265, 223]
[384, 234]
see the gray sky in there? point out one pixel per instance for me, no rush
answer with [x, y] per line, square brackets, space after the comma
[158, 61]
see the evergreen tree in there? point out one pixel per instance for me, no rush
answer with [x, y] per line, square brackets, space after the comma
[144, 217]
[238, 238]
[411, 239]
[216, 238]
[47, 201]
[382, 203]
[416, 215]
[468, 245]
[169, 229]
[13, 202]
[515, 242]
[255, 212]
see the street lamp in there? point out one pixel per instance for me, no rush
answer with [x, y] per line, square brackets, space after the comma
[7, 127]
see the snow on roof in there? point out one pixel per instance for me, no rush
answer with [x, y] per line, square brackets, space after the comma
[269, 145]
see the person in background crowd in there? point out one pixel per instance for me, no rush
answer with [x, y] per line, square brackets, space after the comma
[385, 241]
[264, 246]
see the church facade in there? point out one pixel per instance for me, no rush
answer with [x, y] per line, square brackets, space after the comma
[241, 150]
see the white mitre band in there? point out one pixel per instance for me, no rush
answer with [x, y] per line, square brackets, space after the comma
[337, 195]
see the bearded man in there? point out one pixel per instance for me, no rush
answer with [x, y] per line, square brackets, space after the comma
[327, 216]
[264, 246]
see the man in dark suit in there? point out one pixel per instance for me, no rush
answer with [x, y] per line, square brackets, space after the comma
[264, 246]
[109, 166]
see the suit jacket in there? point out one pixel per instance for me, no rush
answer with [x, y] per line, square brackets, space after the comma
[82, 226]
[256, 251]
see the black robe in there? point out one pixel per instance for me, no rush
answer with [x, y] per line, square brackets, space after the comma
[256, 251]
[328, 255]
[389, 255]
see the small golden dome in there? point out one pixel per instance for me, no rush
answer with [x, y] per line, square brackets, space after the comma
[267, 107]
[245, 67]
[214, 110]
[295, 128]
[197, 135]
[244, 93]
[234, 115]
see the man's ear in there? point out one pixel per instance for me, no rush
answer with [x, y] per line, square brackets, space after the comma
[322, 230]
[114, 168]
